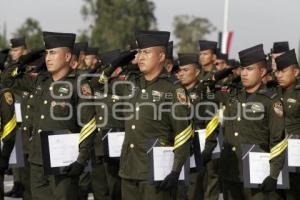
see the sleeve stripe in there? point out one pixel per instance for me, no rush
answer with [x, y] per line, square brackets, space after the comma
[9, 127]
[184, 137]
[91, 122]
[182, 134]
[279, 148]
[211, 126]
[87, 130]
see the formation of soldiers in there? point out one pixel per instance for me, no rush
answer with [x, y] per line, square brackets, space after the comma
[156, 100]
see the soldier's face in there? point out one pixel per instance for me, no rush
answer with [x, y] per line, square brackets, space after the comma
[188, 74]
[287, 76]
[252, 75]
[150, 59]
[74, 62]
[17, 52]
[207, 57]
[90, 60]
[57, 58]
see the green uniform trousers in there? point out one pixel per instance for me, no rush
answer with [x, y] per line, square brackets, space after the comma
[25, 179]
[99, 181]
[212, 184]
[113, 180]
[294, 192]
[195, 188]
[1, 187]
[58, 187]
[142, 190]
[85, 184]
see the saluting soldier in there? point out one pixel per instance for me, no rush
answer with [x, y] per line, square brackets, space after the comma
[18, 49]
[56, 92]
[203, 117]
[8, 127]
[105, 178]
[78, 54]
[287, 74]
[262, 124]
[152, 88]
[278, 49]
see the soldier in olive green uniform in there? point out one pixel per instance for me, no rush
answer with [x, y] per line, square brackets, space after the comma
[18, 49]
[278, 49]
[207, 58]
[261, 124]
[286, 74]
[8, 127]
[78, 54]
[152, 88]
[202, 119]
[102, 181]
[56, 101]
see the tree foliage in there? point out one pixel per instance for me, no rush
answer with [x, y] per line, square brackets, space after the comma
[188, 30]
[113, 22]
[32, 31]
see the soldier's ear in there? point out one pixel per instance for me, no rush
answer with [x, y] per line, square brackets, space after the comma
[197, 72]
[68, 56]
[296, 71]
[162, 56]
[263, 71]
[214, 57]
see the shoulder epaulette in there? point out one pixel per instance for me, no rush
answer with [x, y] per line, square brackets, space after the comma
[271, 93]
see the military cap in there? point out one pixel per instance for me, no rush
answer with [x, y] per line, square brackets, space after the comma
[92, 51]
[170, 50]
[18, 42]
[234, 63]
[78, 47]
[133, 45]
[187, 58]
[252, 55]
[280, 47]
[108, 57]
[205, 45]
[146, 39]
[222, 56]
[82, 46]
[287, 59]
[56, 40]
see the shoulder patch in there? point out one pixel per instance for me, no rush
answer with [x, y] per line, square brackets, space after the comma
[9, 98]
[181, 95]
[86, 89]
[277, 106]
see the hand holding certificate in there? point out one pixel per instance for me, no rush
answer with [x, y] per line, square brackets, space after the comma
[161, 160]
[202, 139]
[59, 149]
[256, 167]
